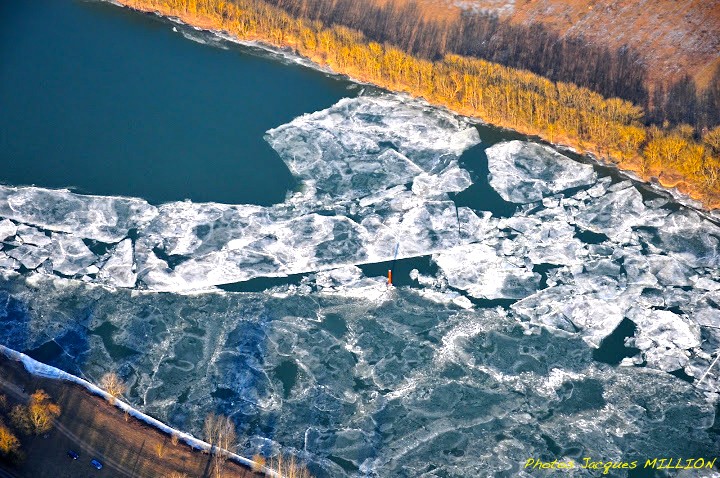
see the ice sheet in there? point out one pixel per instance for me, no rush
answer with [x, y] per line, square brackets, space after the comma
[386, 386]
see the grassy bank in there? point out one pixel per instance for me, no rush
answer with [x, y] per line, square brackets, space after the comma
[611, 129]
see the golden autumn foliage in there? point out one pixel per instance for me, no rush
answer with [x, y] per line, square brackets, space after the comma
[612, 129]
[38, 416]
[9, 443]
[258, 462]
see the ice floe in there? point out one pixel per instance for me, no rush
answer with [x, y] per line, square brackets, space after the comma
[483, 273]
[687, 235]
[617, 212]
[106, 219]
[665, 337]
[29, 256]
[7, 229]
[31, 235]
[371, 143]
[70, 255]
[523, 172]
[118, 270]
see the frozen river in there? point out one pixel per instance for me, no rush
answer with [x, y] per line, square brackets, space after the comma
[544, 308]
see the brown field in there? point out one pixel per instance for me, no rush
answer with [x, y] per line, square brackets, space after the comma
[93, 428]
[674, 37]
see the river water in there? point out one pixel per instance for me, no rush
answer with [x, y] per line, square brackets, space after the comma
[215, 223]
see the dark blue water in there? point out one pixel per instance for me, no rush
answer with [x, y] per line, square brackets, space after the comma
[112, 102]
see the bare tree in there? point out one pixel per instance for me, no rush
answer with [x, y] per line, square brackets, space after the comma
[112, 384]
[288, 467]
[220, 433]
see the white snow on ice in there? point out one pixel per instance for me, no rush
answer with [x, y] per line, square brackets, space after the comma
[524, 172]
[376, 171]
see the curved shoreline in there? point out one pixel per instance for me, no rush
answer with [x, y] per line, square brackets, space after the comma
[286, 51]
[678, 188]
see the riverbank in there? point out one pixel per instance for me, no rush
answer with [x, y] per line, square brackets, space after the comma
[90, 425]
[562, 114]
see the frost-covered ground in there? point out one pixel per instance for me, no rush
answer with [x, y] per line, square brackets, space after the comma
[492, 357]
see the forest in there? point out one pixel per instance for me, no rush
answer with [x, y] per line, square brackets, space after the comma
[612, 73]
[614, 129]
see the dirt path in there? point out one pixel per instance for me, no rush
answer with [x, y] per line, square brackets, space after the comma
[93, 428]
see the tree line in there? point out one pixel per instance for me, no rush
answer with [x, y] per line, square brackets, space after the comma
[219, 432]
[616, 72]
[561, 112]
[682, 102]
[483, 35]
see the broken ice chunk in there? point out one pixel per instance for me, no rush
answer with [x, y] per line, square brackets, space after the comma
[7, 229]
[363, 145]
[452, 179]
[705, 284]
[684, 233]
[29, 256]
[31, 235]
[70, 255]
[479, 270]
[561, 307]
[8, 262]
[349, 281]
[547, 240]
[653, 269]
[119, 268]
[664, 337]
[106, 219]
[524, 172]
[617, 212]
